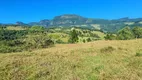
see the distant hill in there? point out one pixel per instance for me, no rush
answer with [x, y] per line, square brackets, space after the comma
[69, 20]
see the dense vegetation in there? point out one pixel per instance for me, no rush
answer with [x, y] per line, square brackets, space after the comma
[125, 34]
[19, 38]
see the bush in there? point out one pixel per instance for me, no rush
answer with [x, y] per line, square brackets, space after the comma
[108, 49]
[84, 40]
[19, 40]
[89, 40]
[31, 42]
[59, 41]
[38, 41]
[110, 37]
[11, 46]
[11, 34]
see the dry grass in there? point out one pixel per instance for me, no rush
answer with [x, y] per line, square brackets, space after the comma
[100, 34]
[15, 28]
[75, 62]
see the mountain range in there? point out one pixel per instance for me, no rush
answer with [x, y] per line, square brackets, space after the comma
[70, 20]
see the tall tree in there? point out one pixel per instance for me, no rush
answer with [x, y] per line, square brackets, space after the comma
[137, 32]
[73, 36]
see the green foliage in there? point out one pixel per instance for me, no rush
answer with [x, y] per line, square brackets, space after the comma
[11, 40]
[110, 37]
[84, 40]
[137, 32]
[11, 34]
[17, 40]
[139, 53]
[89, 40]
[9, 49]
[37, 29]
[94, 35]
[38, 41]
[125, 34]
[60, 41]
[73, 36]
[84, 35]
[40, 37]
[11, 46]
[31, 42]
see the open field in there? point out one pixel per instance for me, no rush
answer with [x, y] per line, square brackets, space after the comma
[99, 60]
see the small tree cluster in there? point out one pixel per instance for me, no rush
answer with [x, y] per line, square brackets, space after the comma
[110, 36]
[73, 36]
[19, 40]
[126, 34]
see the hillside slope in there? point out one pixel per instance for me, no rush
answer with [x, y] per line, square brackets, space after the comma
[103, 60]
[71, 20]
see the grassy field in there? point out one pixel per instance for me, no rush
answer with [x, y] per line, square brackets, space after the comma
[100, 34]
[59, 36]
[99, 60]
[15, 28]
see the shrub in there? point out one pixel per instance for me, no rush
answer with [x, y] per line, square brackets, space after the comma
[11, 46]
[31, 42]
[108, 49]
[59, 41]
[84, 40]
[13, 43]
[11, 34]
[110, 37]
[89, 40]
[8, 49]
[94, 35]
[38, 41]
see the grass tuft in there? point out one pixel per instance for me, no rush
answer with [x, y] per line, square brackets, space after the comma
[108, 49]
[139, 53]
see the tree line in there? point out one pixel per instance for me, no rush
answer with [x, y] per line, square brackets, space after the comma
[19, 40]
[125, 34]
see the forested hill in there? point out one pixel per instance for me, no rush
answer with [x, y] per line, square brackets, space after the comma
[71, 20]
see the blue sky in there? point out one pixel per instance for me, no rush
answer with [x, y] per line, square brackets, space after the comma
[36, 10]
